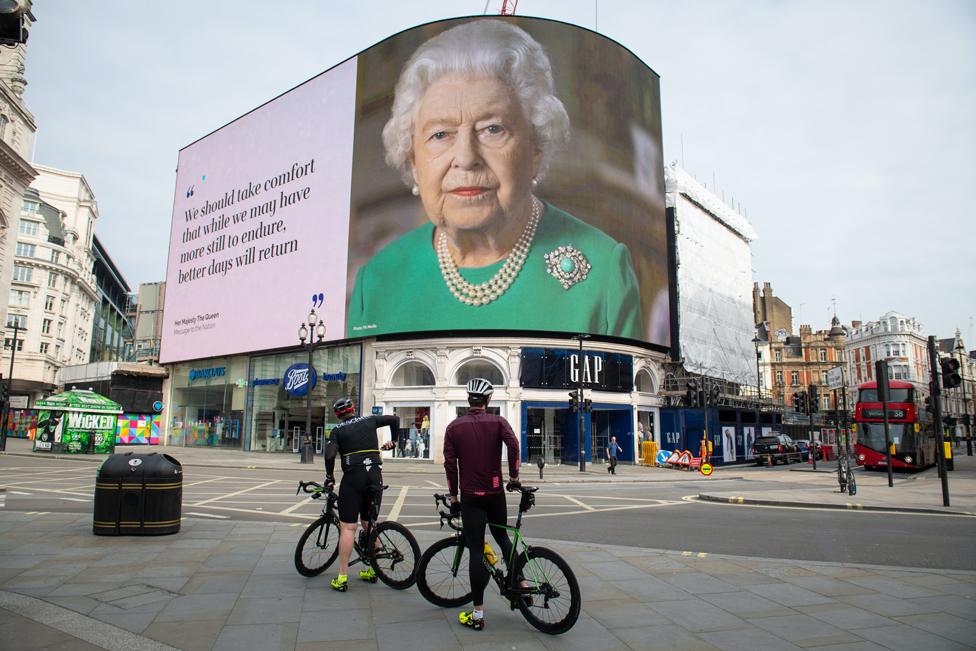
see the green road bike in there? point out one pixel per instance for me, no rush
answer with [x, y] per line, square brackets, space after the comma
[388, 547]
[538, 581]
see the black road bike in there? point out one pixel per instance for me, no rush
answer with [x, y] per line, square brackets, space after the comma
[845, 476]
[538, 581]
[388, 547]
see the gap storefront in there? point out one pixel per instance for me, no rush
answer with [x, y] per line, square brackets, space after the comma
[258, 402]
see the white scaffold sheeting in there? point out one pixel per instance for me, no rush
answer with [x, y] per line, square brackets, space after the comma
[714, 282]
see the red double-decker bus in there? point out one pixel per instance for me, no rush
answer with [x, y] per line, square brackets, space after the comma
[909, 428]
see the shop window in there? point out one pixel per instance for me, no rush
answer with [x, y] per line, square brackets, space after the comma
[645, 383]
[479, 368]
[413, 374]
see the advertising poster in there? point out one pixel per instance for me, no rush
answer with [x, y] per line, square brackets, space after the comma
[488, 173]
[728, 444]
[749, 433]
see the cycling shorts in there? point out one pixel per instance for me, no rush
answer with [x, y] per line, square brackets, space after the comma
[360, 488]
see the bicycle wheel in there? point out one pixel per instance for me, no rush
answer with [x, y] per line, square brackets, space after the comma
[318, 547]
[442, 575]
[851, 484]
[555, 603]
[395, 559]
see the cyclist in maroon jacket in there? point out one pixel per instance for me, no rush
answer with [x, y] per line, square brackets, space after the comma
[473, 460]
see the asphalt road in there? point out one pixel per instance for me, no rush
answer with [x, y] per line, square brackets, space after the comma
[657, 515]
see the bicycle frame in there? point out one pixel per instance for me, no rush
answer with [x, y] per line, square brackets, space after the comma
[507, 581]
[362, 554]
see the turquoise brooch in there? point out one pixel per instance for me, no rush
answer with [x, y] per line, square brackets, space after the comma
[568, 265]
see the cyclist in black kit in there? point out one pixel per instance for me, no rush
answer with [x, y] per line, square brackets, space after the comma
[356, 442]
[473, 460]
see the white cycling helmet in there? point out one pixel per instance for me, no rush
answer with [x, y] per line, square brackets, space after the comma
[480, 387]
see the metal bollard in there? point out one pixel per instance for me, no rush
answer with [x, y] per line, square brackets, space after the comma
[541, 463]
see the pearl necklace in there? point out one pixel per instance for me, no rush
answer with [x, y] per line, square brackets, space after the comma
[494, 287]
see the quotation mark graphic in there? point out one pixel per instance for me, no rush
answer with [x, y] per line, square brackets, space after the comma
[189, 193]
[318, 299]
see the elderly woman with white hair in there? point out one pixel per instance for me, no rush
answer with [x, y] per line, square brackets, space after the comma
[474, 126]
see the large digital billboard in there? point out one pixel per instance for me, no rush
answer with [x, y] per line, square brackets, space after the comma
[472, 174]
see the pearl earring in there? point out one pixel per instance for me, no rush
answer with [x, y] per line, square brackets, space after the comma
[415, 191]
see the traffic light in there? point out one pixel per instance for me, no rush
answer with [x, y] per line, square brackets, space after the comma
[950, 372]
[12, 30]
[800, 402]
[691, 394]
[813, 400]
[928, 405]
[573, 401]
[587, 405]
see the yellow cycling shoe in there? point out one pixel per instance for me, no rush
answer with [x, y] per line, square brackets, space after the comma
[369, 574]
[339, 584]
[468, 619]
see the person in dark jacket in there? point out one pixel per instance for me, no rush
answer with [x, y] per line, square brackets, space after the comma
[473, 461]
[356, 443]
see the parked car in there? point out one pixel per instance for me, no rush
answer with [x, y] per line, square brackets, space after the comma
[778, 448]
[805, 450]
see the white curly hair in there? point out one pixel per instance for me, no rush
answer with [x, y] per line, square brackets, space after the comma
[485, 47]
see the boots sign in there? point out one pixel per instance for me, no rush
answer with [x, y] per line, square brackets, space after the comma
[559, 368]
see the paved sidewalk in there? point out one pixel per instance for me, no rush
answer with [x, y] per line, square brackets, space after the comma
[227, 585]
[920, 492]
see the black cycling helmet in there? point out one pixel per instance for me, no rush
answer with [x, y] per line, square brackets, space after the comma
[480, 388]
[344, 407]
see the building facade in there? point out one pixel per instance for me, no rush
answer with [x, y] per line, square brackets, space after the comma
[957, 403]
[894, 337]
[111, 328]
[53, 294]
[148, 322]
[17, 130]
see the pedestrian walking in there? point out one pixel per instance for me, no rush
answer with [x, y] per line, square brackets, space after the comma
[612, 450]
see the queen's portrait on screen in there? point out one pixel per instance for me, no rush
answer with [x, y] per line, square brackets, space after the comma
[474, 126]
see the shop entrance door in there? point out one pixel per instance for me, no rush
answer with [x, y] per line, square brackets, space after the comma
[607, 423]
[544, 435]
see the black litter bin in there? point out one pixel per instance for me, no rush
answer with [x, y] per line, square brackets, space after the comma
[138, 495]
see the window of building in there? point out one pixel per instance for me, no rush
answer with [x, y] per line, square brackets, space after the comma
[49, 303]
[823, 377]
[413, 374]
[55, 256]
[19, 297]
[794, 378]
[23, 273]
[479, 368]
[46, 326]
[645, 383]
[52, 279]
[44, 346]
[779, 355]
[3, 125]
[28, 227]
[824, 403]
[64, 304]
[57, 350]
[779, 378]
[7, 343]
[823, 355]
[18, 320]
[25, 250]
[31, 207]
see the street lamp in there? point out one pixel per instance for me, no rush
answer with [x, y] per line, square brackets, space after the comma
[756, 341]
[579, 400]
[308, 451]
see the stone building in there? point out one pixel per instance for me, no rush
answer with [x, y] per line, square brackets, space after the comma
[894, 337]
[17, 130]
[53, 295]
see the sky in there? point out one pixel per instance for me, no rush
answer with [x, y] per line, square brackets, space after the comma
[843, 129]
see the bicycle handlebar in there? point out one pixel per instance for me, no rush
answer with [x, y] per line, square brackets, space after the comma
[316, 489]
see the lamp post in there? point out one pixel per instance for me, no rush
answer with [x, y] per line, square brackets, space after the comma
[579, 401]
[305, 332]
[756, 341]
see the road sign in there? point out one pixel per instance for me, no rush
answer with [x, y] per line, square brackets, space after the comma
[835, 377]
[706, 469]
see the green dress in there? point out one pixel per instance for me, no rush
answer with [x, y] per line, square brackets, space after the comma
[401, 288]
